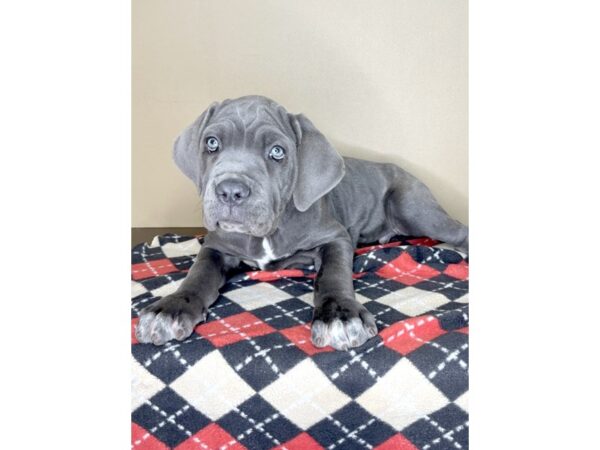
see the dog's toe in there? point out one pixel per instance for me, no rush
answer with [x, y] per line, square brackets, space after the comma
[182, 327]
[142, 330]
[338, 338]
[344, 334]
[319, 335]
[162, 329]
[357, 334]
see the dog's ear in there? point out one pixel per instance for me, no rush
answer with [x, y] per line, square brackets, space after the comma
[320, 166]
[187, 147]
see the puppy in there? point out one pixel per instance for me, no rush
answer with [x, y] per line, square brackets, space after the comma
[278, 195]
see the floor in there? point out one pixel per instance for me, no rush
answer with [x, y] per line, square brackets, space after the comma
[139, 235]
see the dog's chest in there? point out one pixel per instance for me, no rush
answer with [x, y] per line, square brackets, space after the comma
[266, 256]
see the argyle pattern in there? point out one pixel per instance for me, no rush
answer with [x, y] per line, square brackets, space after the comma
[250, 378]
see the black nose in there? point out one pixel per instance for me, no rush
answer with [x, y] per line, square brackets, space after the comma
[232, 192]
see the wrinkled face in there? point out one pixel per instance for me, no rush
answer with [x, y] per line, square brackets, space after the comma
[249, 156]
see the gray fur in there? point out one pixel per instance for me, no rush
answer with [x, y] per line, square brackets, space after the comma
[311, 208]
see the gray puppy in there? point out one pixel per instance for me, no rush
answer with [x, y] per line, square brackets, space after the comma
[278, 195]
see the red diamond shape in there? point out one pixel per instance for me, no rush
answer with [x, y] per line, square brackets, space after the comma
[460, 270]
[408, 335]
[152, 269]
[407, 270]
[210, 437]
[143, 440]
[423, 241]
[263, 275]
[363, 250]
[301, 442]
[233, 329]
[133, 324]
[396, 442]
[300, 335]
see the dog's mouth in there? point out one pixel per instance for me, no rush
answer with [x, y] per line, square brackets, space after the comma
[254, 219]
[232, 226]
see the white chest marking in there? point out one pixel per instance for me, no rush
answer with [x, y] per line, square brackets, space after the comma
[268, 256]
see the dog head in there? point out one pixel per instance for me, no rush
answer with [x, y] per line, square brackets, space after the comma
[249, 158]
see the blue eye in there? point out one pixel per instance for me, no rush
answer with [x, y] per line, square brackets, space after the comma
[212, 144]
[277, 153]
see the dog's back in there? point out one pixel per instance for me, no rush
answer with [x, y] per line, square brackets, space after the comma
[359, 200]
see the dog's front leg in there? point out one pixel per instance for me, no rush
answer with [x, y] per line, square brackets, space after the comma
[175, 316]
[339, 320]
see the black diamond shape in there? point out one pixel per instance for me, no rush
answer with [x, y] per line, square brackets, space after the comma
[436, 258]
[375, 259]
[172, 416]
[450, 306]
[159, 361]
[143, 253]
[373, 286]
[426, 430]
[141, 301]
[182, 262]
[426, 255]
[455, 318]
[351, 419]
[194, 348]
[296, 287]
[258, 372]
[234, 284]
[384, 313]
[162, 280]
[287, 313]
[223, 308]
[449, 287]
[273, 426]
[452, 379]
[381, 359]
[346, 370]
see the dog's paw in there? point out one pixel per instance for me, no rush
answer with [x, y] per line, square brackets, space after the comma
[342, 325]
[171, 317]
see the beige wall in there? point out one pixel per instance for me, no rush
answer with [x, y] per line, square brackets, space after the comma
[384, 80]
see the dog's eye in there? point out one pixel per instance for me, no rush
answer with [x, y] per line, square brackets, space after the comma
[212, 144]
[277, 153]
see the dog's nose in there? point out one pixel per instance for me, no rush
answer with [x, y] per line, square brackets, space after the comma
[232, 192]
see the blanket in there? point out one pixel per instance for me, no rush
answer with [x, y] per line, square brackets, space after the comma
[250, 378]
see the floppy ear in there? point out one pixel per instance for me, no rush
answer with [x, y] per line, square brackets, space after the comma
[320, 167]
[187, 148]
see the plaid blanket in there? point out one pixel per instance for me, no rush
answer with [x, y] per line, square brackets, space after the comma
[250, 378]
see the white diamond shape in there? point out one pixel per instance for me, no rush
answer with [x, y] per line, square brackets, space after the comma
[143, 384]
[212, 386]
[186, 248]
[463, 299]
[305, 395]
[167, 289]
[362, 299]
[402, 396]
[137, 289]
[463, 402]
[309, 298]
[257, 296]
[412, 301]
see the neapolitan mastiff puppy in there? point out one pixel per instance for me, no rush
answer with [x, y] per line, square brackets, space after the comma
[278, 195]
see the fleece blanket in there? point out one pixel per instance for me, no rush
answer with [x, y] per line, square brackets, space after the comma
[249, 377]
